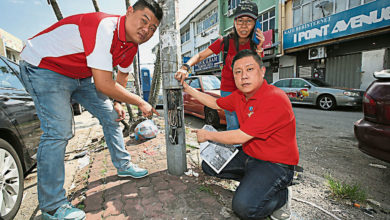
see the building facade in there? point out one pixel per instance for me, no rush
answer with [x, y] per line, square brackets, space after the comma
[342, 42]
[197, 31]
[10, 46]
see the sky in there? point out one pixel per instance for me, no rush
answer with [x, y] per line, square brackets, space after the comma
[25, 18]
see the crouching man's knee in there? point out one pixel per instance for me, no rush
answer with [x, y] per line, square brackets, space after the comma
[246, 210]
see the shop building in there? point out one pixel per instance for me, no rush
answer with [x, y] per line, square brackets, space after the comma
[10, 46]
[197, 31]
[339, 41]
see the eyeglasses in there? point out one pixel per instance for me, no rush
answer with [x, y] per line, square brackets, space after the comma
[241, 21]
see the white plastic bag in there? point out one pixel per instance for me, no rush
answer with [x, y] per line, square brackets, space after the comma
[145, 130]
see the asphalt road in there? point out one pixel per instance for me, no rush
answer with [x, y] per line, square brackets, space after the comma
[327, 146]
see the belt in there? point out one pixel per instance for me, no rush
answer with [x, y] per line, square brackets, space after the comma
[290, 167]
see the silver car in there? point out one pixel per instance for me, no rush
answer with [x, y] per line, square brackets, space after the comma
[316, 92]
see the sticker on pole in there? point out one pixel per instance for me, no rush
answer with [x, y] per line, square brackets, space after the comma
[145, 130]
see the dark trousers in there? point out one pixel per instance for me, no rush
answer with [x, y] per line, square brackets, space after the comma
[263, 185]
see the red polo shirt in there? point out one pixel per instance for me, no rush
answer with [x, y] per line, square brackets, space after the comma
[75, 44]
[227, 79]
[269, 118]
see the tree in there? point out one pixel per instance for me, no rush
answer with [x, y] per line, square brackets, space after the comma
[156, 81]
[56, 8]
[95, 4]
[127, 4]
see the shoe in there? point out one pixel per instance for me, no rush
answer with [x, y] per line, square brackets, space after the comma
[284, 213]
[133, 171]
[65, 212]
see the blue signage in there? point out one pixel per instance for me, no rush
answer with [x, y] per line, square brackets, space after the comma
[208, 63]
[186, 59]
[364, 18]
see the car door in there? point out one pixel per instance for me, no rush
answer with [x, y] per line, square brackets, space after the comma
[303, 90]
[284, 84]
[19, 107]
[191, 105]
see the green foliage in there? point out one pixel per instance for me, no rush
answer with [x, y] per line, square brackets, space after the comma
[192, 146]
[342, 190]
[204, 188]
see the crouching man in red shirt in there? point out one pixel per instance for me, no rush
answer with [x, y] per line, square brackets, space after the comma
[265, 164]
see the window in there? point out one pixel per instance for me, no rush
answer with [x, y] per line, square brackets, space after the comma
[283, 83]
[298, 83]
[194, 83]
[211, 83]
[8, 80]
[232, 4]
[207, 21]
[201, 48]
[305, 11]
[267, 20]
[185, 36]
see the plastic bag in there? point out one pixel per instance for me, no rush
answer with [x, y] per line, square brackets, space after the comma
[145, 130]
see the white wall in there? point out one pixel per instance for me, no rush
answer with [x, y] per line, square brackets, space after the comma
[371, 61]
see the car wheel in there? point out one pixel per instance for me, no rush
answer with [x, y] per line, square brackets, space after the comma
[11, 181]
[211, 117]
[326, 102]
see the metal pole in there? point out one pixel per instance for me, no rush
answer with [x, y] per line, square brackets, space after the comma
[173, 98]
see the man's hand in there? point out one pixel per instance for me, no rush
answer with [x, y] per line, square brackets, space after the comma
[201, 134]
[121, 112]
[147, 110]
[181, 75]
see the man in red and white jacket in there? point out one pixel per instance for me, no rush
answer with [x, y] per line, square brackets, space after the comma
[73, 60]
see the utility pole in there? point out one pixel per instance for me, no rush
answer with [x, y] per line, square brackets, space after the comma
[172, 92]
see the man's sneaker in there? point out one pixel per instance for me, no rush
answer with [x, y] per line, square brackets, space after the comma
[65, 212]
[133, 171]
[284, 213]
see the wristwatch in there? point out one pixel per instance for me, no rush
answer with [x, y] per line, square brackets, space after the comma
[187, 67]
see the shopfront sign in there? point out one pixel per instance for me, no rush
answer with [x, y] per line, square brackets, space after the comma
[360, 19]
[208, 64]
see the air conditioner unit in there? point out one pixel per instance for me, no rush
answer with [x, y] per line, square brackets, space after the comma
[317, 53]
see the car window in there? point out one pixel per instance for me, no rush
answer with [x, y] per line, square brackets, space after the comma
[8, 79]
[282, 83]
[211, 83]
[298, 83]
[319, 83]
[194, 83]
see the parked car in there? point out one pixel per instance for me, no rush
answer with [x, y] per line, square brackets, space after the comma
[312, 91]
[19, 138]
[373, 130]
[208, 84]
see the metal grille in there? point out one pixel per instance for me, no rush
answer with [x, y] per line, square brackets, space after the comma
[286, 72]
[344, 71]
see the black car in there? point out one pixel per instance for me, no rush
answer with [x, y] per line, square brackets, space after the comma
[373, 130]
[19, 138]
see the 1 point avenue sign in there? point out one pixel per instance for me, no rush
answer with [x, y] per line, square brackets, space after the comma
[366, 17]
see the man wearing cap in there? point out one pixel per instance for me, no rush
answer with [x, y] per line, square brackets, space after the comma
[265, 164]
[73, 60]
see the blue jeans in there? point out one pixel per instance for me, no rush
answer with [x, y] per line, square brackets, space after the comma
[263, 185]
[231, 117]
[52, 94]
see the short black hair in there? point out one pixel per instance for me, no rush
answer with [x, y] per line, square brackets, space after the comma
[248, 53]
[150, 4]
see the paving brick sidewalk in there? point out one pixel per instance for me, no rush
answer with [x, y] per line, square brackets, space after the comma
[157, 196]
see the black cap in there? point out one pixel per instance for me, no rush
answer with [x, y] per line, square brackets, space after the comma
[246, 8]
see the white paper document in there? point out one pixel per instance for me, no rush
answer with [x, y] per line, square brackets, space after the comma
[216, 155]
